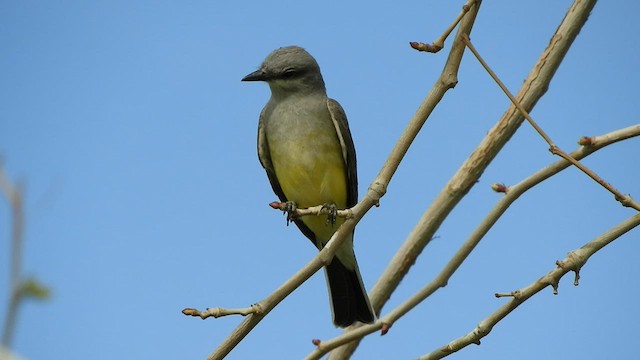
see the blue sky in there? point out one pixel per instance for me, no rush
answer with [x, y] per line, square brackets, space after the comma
[135, 139]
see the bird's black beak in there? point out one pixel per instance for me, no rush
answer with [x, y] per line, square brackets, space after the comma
[257, 75]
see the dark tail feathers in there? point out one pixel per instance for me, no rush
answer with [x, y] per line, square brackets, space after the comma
[349, 300]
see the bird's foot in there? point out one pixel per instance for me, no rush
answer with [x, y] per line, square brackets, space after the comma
[290, 209]
[332, 212]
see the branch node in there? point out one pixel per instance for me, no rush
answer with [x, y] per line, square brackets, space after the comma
[514, 294]
[499, 188]
[576, 279]
[626, 200]
[217, 312]
[420, 46]
[277, 205]
[573, 262]
[377, 189]
[190, 312]
[447, 349]
[384, 329]
[587, 141]
[255, 309]
[482, 330]
[316, 342]
[438, 44]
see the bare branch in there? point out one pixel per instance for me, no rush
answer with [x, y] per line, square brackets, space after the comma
[438, 44]
[459, 185]
[219, 312]
[503, 204]
[314, 210]
[406, 255]
[269, 303]
[467, 175]
[573, 262]
[13, 193]
[625, 200]
[376, 190]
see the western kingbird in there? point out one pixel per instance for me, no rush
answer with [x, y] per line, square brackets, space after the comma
[305, 146]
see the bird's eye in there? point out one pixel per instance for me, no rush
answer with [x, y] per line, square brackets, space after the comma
[289, 72]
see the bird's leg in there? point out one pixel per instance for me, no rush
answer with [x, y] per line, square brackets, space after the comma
[332, 212]
[290, 208]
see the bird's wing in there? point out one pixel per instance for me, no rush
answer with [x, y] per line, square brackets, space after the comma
[265, 158]
[348, 149]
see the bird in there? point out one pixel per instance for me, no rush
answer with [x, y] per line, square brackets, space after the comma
[306, 149]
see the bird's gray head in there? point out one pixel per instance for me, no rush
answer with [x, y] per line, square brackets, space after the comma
[289, 70]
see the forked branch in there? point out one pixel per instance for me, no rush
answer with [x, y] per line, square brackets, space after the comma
[513, 193]
[573, 262]
[469, 172]
[625, 200]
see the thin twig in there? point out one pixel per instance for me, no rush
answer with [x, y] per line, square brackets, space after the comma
[438, 44]
[467, 175]
[465, 249]
[217, 312]
[625, 200]
[513, 193]
[376, 190]
[574, 261]
[269, 303]
[546, 138]
[13, 193]
[311, 211]
[405, 257]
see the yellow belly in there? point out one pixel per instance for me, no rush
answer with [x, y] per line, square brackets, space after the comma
[312, 174]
